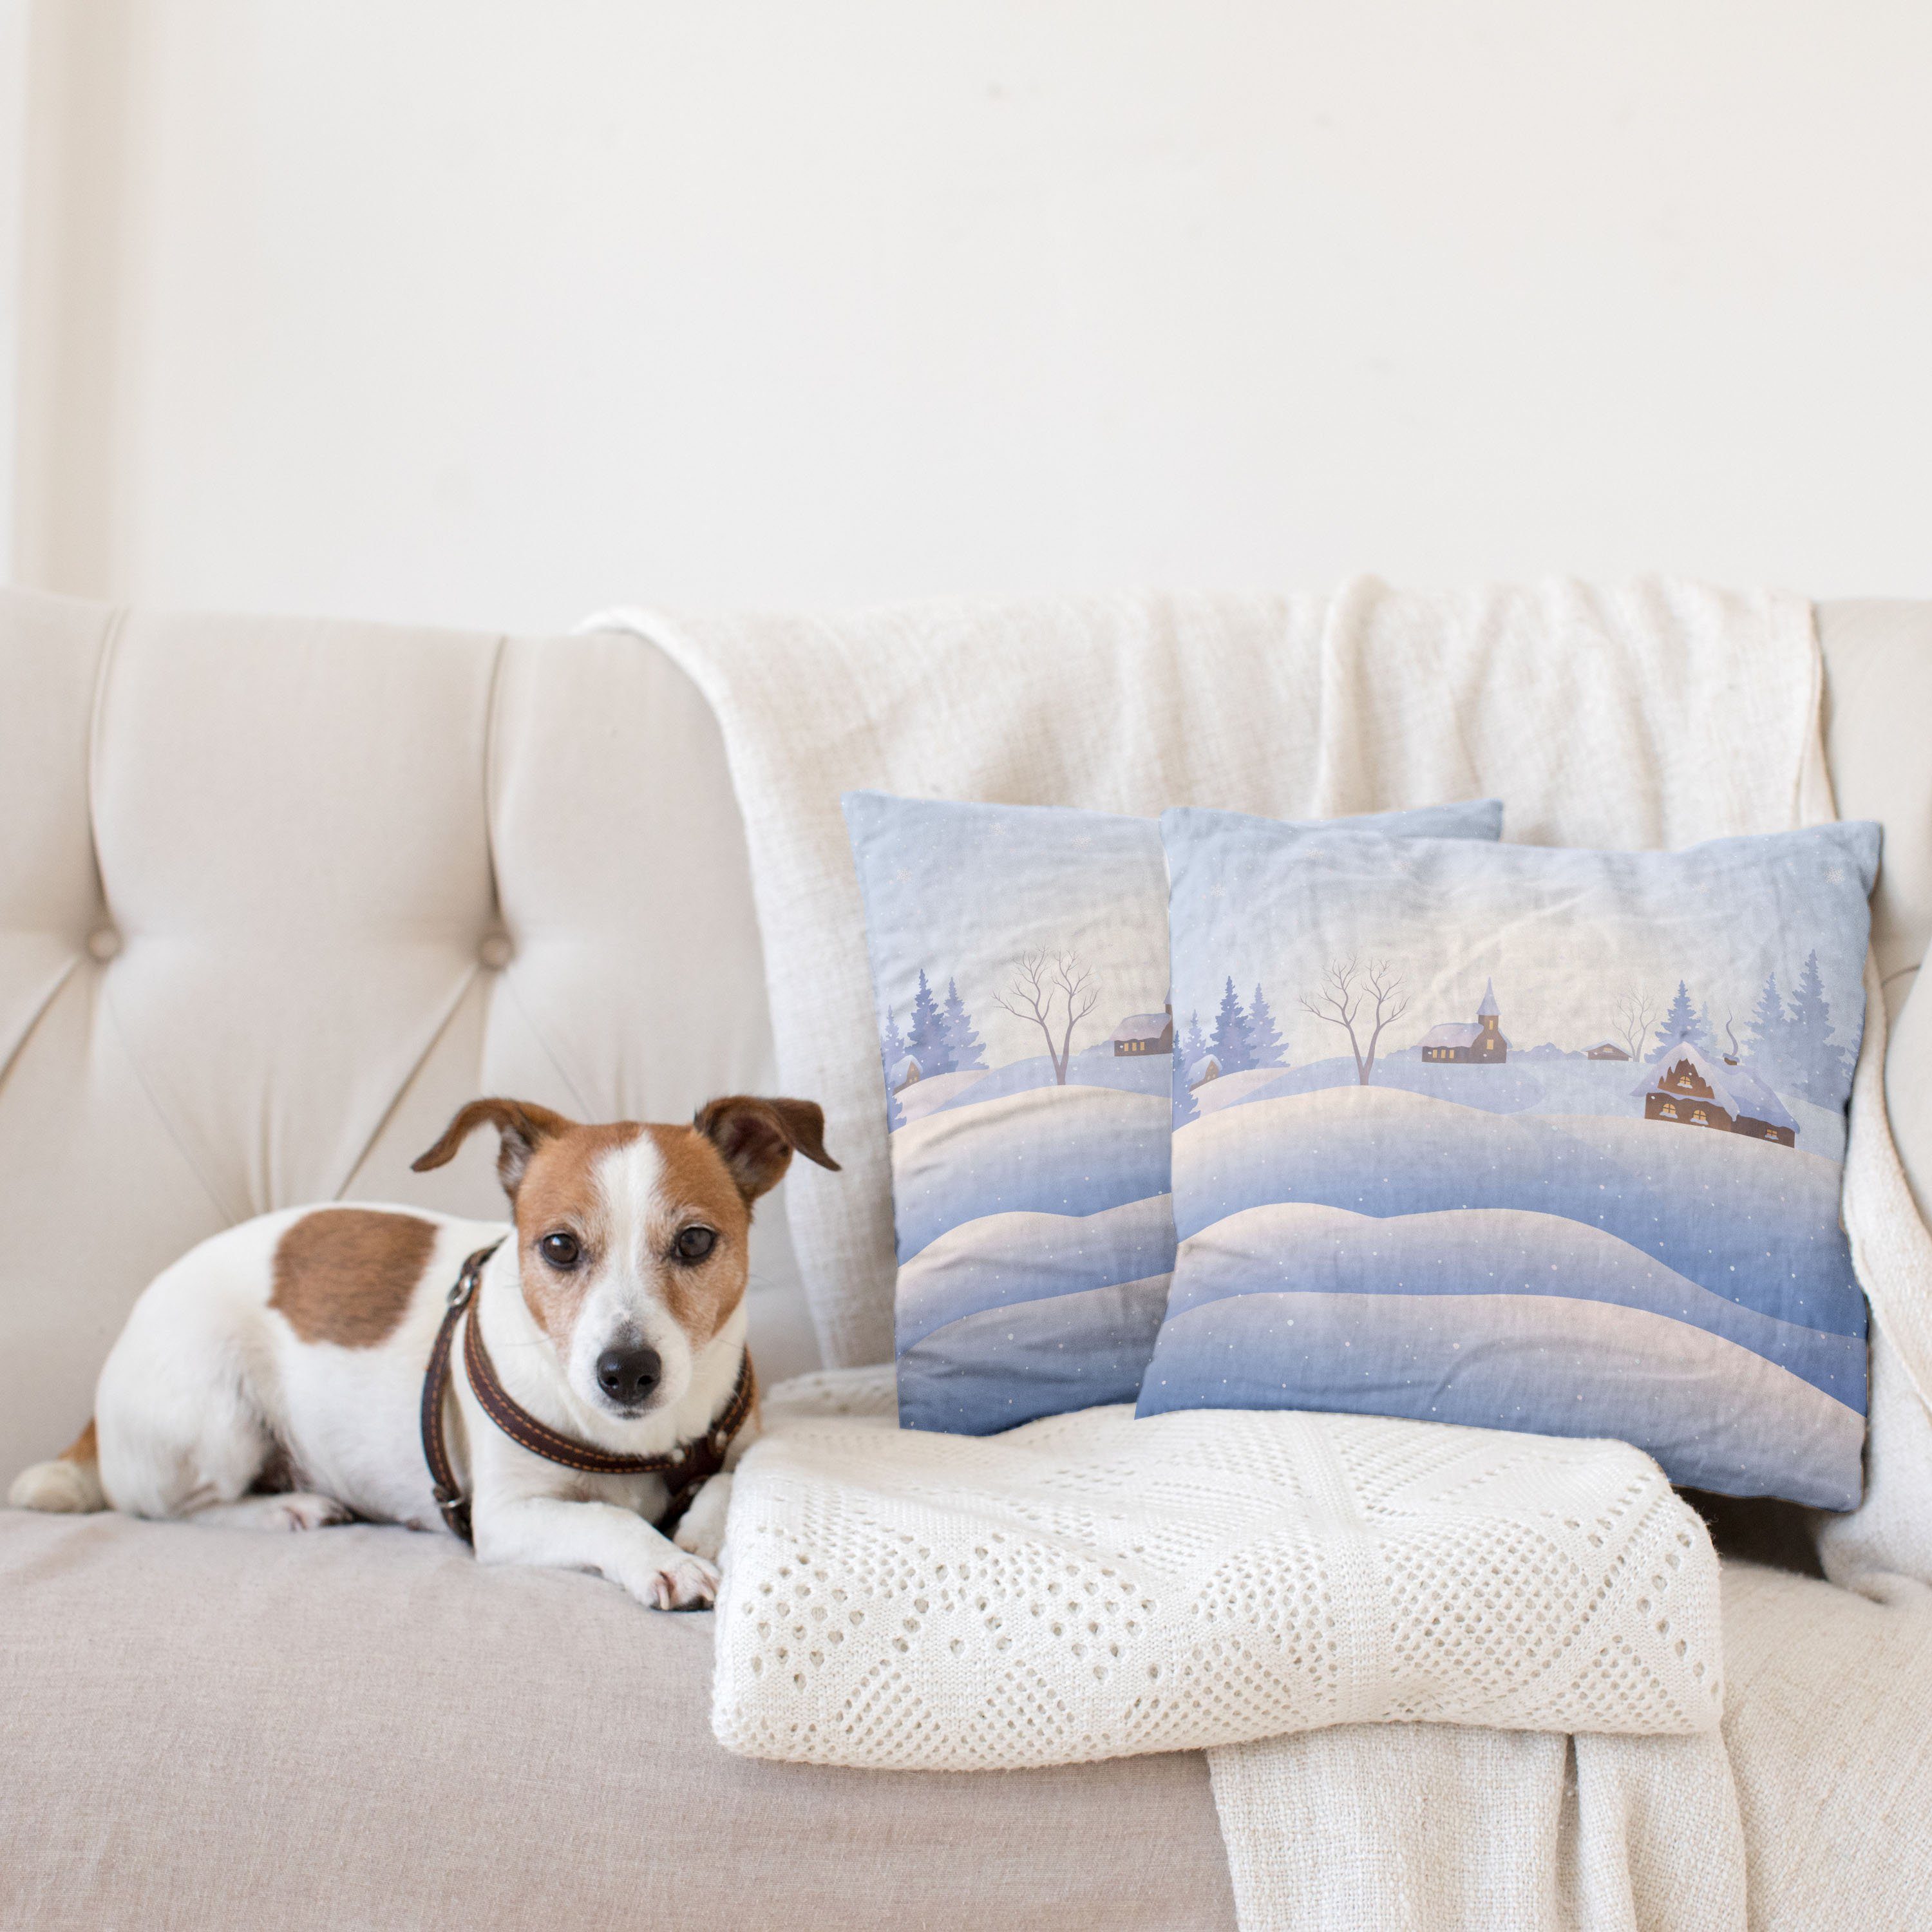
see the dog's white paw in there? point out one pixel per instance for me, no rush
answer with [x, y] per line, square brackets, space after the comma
[299, 1509]
[684, 1583]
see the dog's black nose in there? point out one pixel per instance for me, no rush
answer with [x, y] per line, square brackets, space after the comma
[628, 1374]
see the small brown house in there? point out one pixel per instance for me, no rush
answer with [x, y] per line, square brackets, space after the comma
[1689, 1089]
[1145, 1032]
[1605, 1049]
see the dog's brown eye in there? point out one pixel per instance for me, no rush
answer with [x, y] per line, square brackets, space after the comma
[560, 1250]
[694, 1244]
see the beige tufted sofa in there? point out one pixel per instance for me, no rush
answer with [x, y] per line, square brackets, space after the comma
[275, 898]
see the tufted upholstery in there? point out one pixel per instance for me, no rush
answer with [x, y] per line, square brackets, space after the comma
[277, 896]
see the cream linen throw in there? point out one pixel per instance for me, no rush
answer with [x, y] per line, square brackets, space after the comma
[1651, 715]
[1648, 716]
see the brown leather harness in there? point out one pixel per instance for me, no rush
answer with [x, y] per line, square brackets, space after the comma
[684, 1469]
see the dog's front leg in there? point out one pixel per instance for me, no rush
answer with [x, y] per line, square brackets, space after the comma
[702, 1530]
[614, 1542]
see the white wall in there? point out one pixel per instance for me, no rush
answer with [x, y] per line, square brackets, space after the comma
[491, 313]
[13, 63]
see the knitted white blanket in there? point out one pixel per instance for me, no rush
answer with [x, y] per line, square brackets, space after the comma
[1091, 1586]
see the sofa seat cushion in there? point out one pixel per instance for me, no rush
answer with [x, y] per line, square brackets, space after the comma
[361, 1726]
[213, 1727]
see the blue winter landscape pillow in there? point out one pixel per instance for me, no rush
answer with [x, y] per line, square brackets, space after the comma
[1030, 1058]
[1558, 1146]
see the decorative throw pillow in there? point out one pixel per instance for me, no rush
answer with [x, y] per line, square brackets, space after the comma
[1031, 1056]
[1557, 1147]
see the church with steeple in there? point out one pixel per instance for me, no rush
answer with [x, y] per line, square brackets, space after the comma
[1481, 1044]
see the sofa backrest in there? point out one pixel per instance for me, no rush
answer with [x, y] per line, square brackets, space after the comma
[277, 896]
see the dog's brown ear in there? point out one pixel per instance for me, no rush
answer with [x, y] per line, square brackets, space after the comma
[523, 1125]
[757, 1138]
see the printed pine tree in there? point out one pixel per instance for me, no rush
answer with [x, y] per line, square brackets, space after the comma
[1767, 1034]
[925, 1037]
[1701, 1037]
[1197, 1040]
[1184, 1108]
[964, 1046]
[1264, 1041]
[892, 1051]
[1187, 1051]
[1815, 1065]
[1231, 1034]
[1679, 1023]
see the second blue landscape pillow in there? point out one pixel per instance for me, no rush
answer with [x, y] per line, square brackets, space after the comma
[1030, 1060]
[1559, 1150]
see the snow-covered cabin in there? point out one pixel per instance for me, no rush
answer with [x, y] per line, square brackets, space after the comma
[1605, 1049]
[1205, 1069]
[1145, 1032]
[905, 1073]
[1480, 1043]
[1690, 1088]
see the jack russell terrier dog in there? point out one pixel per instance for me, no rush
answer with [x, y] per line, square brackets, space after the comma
[298, 1370]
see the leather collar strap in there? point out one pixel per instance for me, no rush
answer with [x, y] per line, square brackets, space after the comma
[684, 1469]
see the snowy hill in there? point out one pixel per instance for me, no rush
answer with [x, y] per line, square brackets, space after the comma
[1754, 1222]
[1093, 1066]
[1507, 1089]
[1490, 1251]
[927, 1097]
[1532, 1083]
[1822, 1129]
[1055, 1149]
[1230, 1089]
[1007, 1366]
[1715, 1415]
[1001, 1259]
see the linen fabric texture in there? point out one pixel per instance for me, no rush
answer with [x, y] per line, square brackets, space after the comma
[1030, 1056]
[1560, 1148]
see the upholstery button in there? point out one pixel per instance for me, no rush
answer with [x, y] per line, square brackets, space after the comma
[495, 951]
[104, 944]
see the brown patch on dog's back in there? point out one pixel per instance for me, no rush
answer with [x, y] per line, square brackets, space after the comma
[345, 1275]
